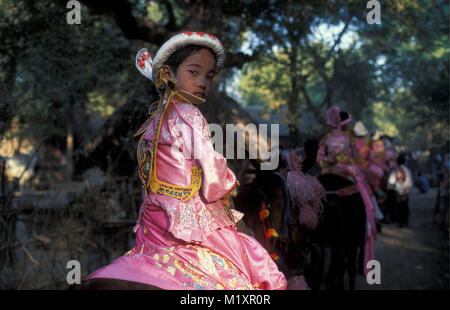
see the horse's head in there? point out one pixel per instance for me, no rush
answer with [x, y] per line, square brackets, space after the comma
[265, 204]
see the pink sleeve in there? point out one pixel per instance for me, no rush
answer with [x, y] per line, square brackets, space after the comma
[322, 156]
[321, 152]
[218, 179]
[354, 151]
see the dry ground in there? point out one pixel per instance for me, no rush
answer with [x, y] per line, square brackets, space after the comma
[414, 257]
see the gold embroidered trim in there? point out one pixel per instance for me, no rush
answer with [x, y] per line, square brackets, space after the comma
[147, 160]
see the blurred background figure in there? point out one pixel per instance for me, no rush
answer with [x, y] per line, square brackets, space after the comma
[399, 184]
[421, 183]
[443, 189]
[438, 171]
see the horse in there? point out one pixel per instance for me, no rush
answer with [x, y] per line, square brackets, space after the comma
[292, 250]
[342, 227]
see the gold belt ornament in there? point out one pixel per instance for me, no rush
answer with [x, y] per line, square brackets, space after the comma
[363, 162]
[343, 158]
[147, 160]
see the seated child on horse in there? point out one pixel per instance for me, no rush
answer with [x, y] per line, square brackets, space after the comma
[186, 236]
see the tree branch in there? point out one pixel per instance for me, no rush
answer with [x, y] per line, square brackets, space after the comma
[239, 59]
[338, 40]
[313, 108]
[133, 28]
[146, 30]
[171, 24]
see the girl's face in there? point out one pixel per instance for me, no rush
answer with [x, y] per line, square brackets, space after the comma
[195, 73]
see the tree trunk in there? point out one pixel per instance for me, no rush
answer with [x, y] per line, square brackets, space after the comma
[8, 110]
[69, 148]
[293, 104]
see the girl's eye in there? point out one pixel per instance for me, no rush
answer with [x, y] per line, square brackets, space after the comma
[193, 72]
[210, 77]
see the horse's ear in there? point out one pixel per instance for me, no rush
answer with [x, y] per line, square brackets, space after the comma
[255, 164]
[311, 147]
[282, 162]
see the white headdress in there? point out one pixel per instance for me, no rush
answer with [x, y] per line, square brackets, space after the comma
[360, 130]
[376, 135]
[150, 68]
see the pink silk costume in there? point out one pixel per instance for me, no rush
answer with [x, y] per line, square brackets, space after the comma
[365, 162]
[391, 159]
[379, 155]
[337, 149]
[191, 244]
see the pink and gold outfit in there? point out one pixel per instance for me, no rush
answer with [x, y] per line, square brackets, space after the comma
[379, 158]
[337, 150]
[191, 244]
[366, 162]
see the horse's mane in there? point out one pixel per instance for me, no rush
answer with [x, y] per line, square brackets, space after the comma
[250, 195]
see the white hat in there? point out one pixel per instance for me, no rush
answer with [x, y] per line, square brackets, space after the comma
[150, 68]
[376, 135]
[359, 129]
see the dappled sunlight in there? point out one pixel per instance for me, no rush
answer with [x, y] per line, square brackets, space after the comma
[408, 244]
[398, 233]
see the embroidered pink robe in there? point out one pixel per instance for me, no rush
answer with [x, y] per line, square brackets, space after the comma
[193, 244]
[366, 163]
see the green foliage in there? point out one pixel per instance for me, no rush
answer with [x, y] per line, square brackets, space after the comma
[64, 72]
[265, 82]
[394, 77]
[413, 38]
[52, 71]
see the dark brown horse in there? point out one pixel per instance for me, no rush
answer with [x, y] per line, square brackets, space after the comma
[342, 228]
[296, 255]
[301, 251]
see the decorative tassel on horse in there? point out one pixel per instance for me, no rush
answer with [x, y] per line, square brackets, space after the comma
[305, 191]
[263, 214]
[269, 232]
[275, 257]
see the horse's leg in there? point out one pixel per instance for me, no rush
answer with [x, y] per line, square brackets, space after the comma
[351, 253]
[315, 268]
[336, 271]
[322, 264]
[341, 269]
[330, 277]
[438, 200]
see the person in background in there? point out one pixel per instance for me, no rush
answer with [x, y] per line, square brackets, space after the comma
[445, 188]
[364, 160]
[421, 183]
[337, 154]
[399, 184]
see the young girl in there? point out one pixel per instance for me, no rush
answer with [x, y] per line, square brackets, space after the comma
[185, 234]
[336, 154]
[365, 156]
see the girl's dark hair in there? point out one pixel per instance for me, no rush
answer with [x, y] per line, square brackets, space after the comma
[180, 55]
[401, 159]
[343, 115]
